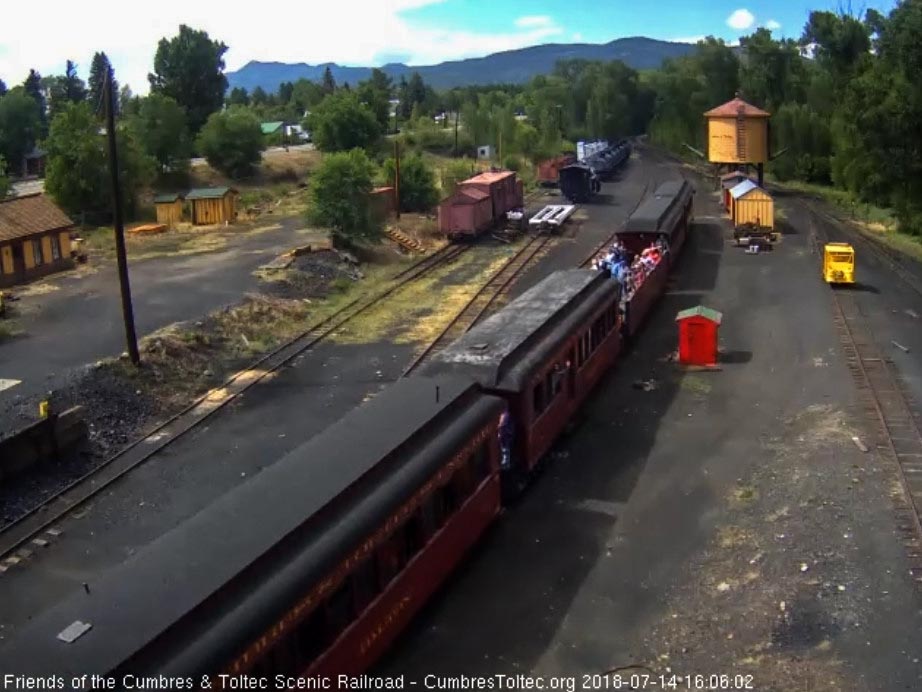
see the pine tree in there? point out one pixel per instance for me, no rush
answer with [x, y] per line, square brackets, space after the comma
[329, 84]
[97, 82]
[74, 88]
[33, 88]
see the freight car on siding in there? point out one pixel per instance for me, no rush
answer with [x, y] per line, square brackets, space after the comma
[542, 354]
[312, 567]
[578, 182]
[480, 203]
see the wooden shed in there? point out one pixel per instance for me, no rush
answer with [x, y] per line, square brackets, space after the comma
[169, 209]
[728, 182]
[213, 205]
[383, 202]
[749, 203]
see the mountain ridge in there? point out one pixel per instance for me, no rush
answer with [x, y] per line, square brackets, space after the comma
[506, 67]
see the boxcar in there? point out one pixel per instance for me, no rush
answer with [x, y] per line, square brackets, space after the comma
[312, 567]
[500, 185]
[466, 213]
[549, 171]
[578, 182]
[542, 353]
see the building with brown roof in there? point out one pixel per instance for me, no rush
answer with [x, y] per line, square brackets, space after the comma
[34, 238]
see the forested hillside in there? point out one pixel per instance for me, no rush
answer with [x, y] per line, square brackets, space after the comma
[845, 98]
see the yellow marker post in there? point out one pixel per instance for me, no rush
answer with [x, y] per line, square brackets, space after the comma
[44, 409]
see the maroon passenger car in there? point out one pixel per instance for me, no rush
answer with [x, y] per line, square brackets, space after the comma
[542, 353]
[312, 567]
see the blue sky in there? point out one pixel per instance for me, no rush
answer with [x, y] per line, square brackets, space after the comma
[365, 32]
[597, 21]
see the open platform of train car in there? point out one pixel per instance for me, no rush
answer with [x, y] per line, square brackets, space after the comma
[543, 353]
[719, 523]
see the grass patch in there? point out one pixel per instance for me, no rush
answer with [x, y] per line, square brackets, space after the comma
[745, 494]
[696, 384]
[191, 240]
[418, 312]
[877, 223]
[9, 329]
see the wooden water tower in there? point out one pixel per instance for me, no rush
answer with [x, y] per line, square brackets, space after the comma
[738, 135]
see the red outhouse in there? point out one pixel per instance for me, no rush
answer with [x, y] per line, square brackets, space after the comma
[698, 335]
[728, 182]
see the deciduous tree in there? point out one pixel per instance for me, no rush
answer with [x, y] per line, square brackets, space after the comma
[161, 129]
[189, 68]
[20, 126]
[4, 180]
[77, 172]
[376, 94]
[418, 191]
[340, 196]
[232, 141]
[340, 122]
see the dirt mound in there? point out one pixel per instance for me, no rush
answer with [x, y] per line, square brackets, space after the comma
[313, 275]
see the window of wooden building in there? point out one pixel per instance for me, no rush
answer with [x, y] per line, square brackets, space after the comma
[55, 248]
[37, 257]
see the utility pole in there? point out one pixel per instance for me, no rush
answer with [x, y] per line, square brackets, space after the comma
[127, 310]
[397, 174]
[457, 113]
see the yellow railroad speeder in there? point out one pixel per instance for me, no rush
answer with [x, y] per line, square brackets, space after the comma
[839, 263]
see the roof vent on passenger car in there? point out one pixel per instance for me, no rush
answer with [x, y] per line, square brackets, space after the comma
[479, 347]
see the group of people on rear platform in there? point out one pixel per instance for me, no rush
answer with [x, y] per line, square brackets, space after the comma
[630, 269]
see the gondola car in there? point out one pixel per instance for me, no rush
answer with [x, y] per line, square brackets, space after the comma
[312, 567]
[664, 216]
[542, 354]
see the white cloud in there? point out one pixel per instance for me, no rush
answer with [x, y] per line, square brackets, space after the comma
[534, 20]
[577, 36]
[772, 25]
[740, 20]
[349, 33]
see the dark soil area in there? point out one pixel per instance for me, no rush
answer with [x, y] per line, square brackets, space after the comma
[314, 275]
[179, 364]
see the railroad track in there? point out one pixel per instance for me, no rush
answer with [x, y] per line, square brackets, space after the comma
[37, 527]
[484, 299]
[887, 405]
[877, 247]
